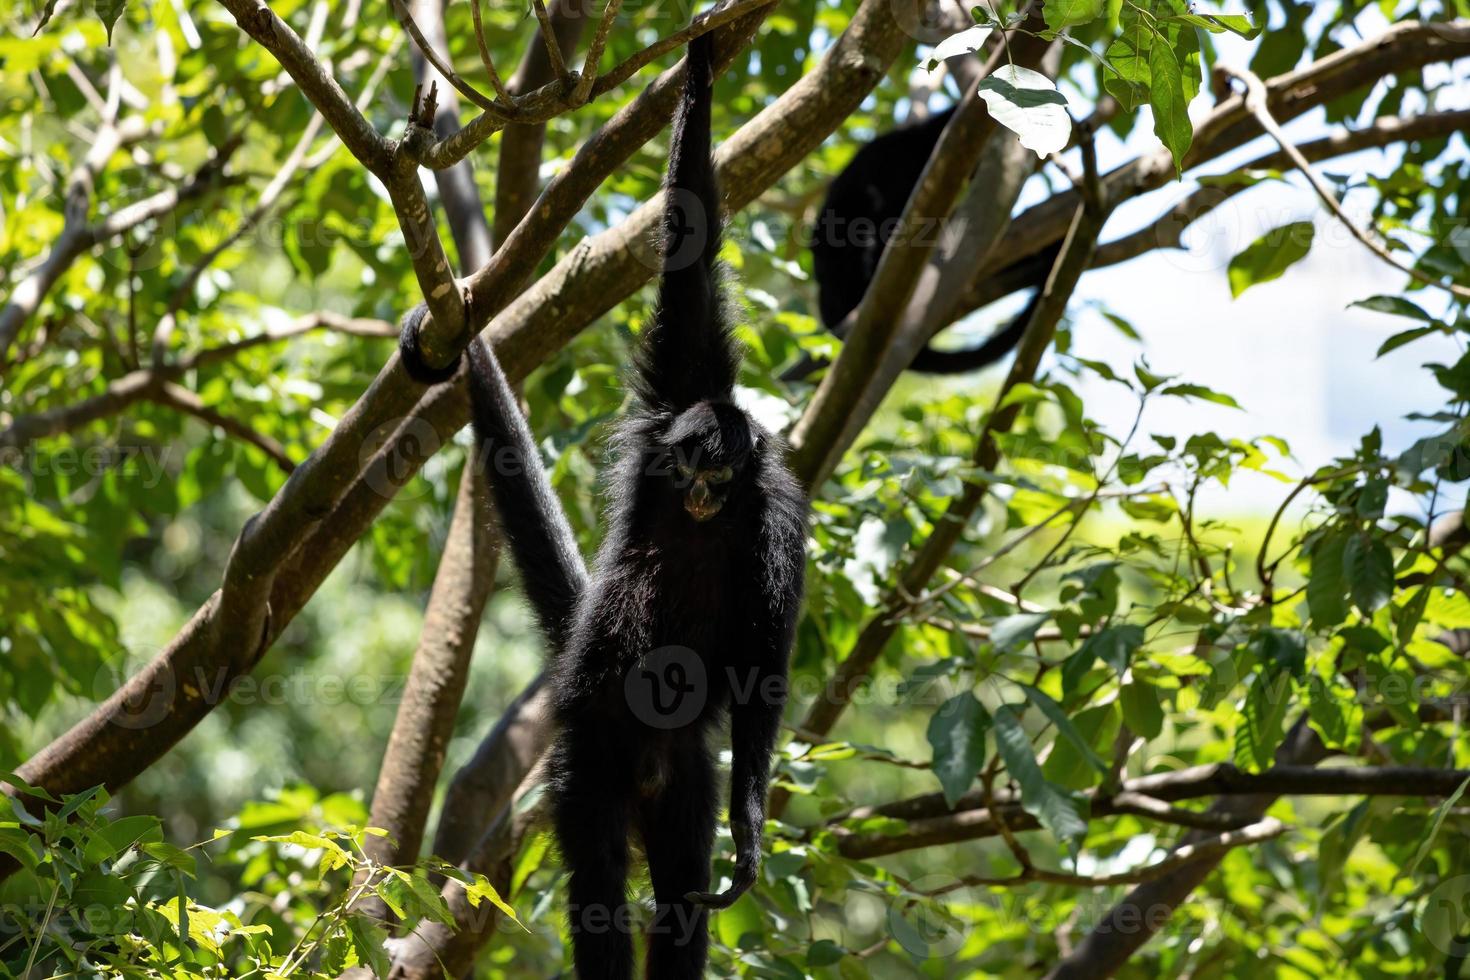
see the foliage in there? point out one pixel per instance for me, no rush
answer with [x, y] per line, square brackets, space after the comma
[1097, 621]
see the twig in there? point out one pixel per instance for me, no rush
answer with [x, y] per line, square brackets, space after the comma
[188, 402]
[1255, 101]
[548, 37]
[441, 65]
[267, 200]
[1255, 833]
[594, 52]
[485, 58]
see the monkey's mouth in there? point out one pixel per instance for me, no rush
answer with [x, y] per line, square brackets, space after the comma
[701, 510]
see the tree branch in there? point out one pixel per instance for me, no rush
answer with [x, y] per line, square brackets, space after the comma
[77, 235]
[817, 439]
[315, 82]
[1403, 47]
[1256, 102]
[170, 394]
[1076, 255]
[518, 173]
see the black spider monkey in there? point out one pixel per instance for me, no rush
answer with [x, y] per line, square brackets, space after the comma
[690, 611]
[859, 216]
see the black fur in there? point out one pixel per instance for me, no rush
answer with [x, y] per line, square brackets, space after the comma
[410, 355]
[859, 216]
[700, 572]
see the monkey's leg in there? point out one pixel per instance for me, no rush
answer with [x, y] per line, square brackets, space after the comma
[591, 807]
[678, 829]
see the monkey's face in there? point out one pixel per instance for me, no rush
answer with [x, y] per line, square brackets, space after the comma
[709, 446]
[704, 488]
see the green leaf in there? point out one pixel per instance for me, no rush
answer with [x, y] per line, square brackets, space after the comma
[1057, 811]
[1393, 305]
[1114, 646]
[1260, 730]
[1221, 23]
[1201, 392]
[1057, 715]
[1335, 714]
[1171, 107]
[1411, 615]
[47, 10]
[1067, 13]
[111, 839]
[1014, 632]
[1368, 565]
[480, 889]
[824, 952]
[1427, 844]
[1028, 104]
[957, 736]
[1141, 709]
[1327, 587]
[367, 941]
[108, 12]
[1404, 338]
[1269, 256]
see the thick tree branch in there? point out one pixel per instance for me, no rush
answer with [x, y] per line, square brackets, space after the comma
[817, 439]
[1403, 47]
[1075, 256]
[518, 174]
[436, 681]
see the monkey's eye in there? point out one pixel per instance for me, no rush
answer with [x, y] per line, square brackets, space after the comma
[722, 475]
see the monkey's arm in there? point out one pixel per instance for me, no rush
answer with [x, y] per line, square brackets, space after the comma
[531, 517]
[755, 713]
[685, 354]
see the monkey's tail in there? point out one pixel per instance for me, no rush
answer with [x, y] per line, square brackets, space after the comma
[553, 573]
[992, 348]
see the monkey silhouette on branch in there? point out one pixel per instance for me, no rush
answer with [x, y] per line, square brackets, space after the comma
[688, 614]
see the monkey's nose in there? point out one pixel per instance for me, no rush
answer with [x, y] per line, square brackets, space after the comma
[700, 504]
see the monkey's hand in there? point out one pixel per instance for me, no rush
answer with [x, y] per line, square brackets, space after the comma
[747, 870]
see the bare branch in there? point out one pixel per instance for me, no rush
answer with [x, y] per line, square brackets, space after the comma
[548, 35]
[594, 52]
[552, 98]
[485, 58]
[518, 173]
[441, 64]
[436, 681]
[170, 394]
[315, 82]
